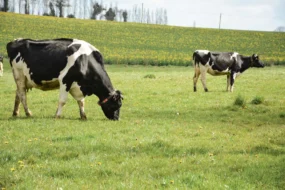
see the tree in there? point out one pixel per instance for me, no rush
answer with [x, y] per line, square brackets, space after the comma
[110, 15]
[60, 4]
[97, 9]
[45, 7]
[125, 16]
[5, 7]
[280, 29]
[27, 7]
[52, 11]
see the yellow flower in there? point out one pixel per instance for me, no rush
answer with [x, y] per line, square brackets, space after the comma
[211, 154]
[172, 181]
[20, 162]
[12, 169]
[99, 163]
[29, 140]
[6, 142]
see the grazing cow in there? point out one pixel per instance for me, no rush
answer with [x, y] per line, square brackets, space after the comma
[1, 66]
[231, 64]
[69, 65]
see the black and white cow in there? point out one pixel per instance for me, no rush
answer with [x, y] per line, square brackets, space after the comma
[231, 64]
[70, 65]
[1, 66]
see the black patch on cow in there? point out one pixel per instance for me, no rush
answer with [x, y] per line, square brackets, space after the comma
[18, 59]
[45, 59]
[98, 57]
[223, 61]
[72, 49]
[90, 75]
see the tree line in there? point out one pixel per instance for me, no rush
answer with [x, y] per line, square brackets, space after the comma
[85, 9]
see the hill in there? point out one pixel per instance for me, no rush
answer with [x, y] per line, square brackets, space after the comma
[134, 43]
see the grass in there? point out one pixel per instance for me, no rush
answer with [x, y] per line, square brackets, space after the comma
[257, 100]
[144, 44]
[168, 137]
[240, 101]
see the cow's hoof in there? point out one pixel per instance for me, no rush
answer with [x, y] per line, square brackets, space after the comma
[15, 114]
[83, 117]
[29, 114]
[195, 89]
[57, 116]
[206, 89]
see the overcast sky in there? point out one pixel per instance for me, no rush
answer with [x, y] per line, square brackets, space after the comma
[265, 15]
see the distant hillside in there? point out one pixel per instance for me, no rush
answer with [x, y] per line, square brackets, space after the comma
[133, 43]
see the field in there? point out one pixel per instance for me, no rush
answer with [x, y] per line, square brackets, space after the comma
[168, 137]
[131, 43]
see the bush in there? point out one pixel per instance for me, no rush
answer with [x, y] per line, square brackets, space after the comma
[150, 76]
[70, 16]
[240, 101]
[257, 100]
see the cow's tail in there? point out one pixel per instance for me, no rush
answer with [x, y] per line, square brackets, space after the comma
[194, 59]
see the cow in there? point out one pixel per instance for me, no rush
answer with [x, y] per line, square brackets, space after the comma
[70, 65]
[231, 64]
[1, 66]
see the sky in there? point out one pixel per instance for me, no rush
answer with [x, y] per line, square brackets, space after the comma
[260, 15]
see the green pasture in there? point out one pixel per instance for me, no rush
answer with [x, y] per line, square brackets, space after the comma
[168, 137]
[144, 44]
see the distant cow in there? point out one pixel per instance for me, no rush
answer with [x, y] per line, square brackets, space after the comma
[231, 64]
[70, 65]
[1, 66]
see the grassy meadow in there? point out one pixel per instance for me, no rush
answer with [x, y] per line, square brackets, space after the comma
[168, 137]
[144, 44]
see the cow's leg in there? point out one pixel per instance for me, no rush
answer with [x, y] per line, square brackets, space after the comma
[232, 81]
[16, 105]
[63, 94]
[21, 95]
[79, 97]
[203, 70]
[228, 82]
[196, 77]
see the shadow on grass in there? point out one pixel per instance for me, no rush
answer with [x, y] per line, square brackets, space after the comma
[62, 118]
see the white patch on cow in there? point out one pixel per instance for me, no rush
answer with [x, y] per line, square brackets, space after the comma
[202, 51]
[234, 55]
[85, 48]
[76, 92]
[237, 74]
[21, 66]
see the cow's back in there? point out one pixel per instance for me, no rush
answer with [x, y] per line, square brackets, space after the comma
[40, 60]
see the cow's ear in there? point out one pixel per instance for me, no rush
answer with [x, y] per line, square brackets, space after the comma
[255, 56]
[118, 95]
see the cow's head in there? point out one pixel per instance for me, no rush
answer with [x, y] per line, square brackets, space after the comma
[255, 62]
[111, 105]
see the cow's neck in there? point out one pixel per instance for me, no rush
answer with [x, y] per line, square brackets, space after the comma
[104, 89]
[246, 64]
